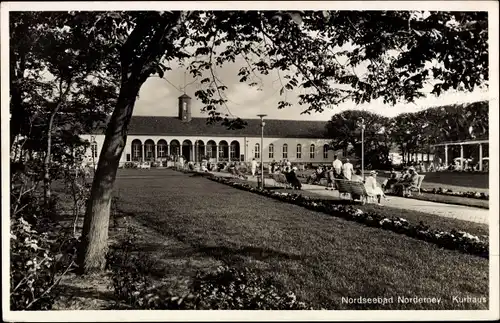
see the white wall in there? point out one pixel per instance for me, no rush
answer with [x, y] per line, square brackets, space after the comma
[247, 146]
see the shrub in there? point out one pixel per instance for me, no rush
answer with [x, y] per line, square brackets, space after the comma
[39, 246]
[240, 289]
[128, 272]
[31, 271]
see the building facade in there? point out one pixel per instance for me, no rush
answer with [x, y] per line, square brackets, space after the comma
[157, 139]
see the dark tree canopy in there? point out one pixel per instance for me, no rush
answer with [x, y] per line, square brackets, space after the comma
[409, 132]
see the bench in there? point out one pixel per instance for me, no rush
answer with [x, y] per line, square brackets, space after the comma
[353, 189]
[407, 190]
[236, 173]
[279, 179]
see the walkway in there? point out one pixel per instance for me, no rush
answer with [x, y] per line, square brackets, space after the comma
[460, 212]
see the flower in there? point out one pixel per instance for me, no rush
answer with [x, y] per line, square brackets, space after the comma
[384, 220]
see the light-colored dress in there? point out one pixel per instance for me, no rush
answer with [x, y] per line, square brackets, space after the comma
[372, 188]
[347, 169]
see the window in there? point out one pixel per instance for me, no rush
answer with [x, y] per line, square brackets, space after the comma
[311, 152]
[257, 151]
[325, 151]
[209, 151]
[161, 151]
[285, 151]
[232, 151]
[299, 151]
[93, 147]
[149, 151]
[128, 157]
[221, 151]
[136, 152]
[271, 151]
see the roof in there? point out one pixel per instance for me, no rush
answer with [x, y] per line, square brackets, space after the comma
[171, 126]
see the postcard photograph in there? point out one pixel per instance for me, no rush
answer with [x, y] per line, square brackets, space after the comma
[249, 160]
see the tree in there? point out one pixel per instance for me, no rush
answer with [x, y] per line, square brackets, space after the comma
[54, 77]
[344, 129]
[412, 132]
[302, 43]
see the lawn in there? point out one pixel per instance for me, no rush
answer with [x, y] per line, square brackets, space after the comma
[190, 223]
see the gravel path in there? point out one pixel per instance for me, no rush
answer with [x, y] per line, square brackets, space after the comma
[466, 213]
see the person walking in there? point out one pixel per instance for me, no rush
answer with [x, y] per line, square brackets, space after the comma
[254, 166]
[330, 177]
[347, 170]
[337, 166]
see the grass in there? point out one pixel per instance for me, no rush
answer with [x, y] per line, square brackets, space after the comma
[190, 223]
[456, 200]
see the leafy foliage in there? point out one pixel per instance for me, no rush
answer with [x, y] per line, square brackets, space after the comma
[31, 275]
[410, 132]
[344, 129]
[39, 248]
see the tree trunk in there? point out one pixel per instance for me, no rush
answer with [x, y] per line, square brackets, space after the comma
[46, 162]
[96, 223]
[92, 254]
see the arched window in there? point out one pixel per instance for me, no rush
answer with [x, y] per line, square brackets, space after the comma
[299, 151]
[211, 149]
[257, 151]
[136, 150]
[232, 151]
[149, 147]
[325, 151]
[162, 148]
[311, 151]
[271, 151]
[93, 148]
[285, 151]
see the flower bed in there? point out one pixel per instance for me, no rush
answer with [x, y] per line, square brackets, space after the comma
[454, 240]
[469, 194]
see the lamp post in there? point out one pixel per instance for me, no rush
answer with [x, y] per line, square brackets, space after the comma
[262, 124]
[362, 148]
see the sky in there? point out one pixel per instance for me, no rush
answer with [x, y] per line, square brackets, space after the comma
[158, 97]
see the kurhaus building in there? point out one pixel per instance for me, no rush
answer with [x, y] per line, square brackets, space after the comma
[153, 138]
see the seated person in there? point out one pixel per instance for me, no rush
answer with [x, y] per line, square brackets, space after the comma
[388, 183]
[315, 177]
[238, 172]
[291, 177]
[372, 187]
[407, 183]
